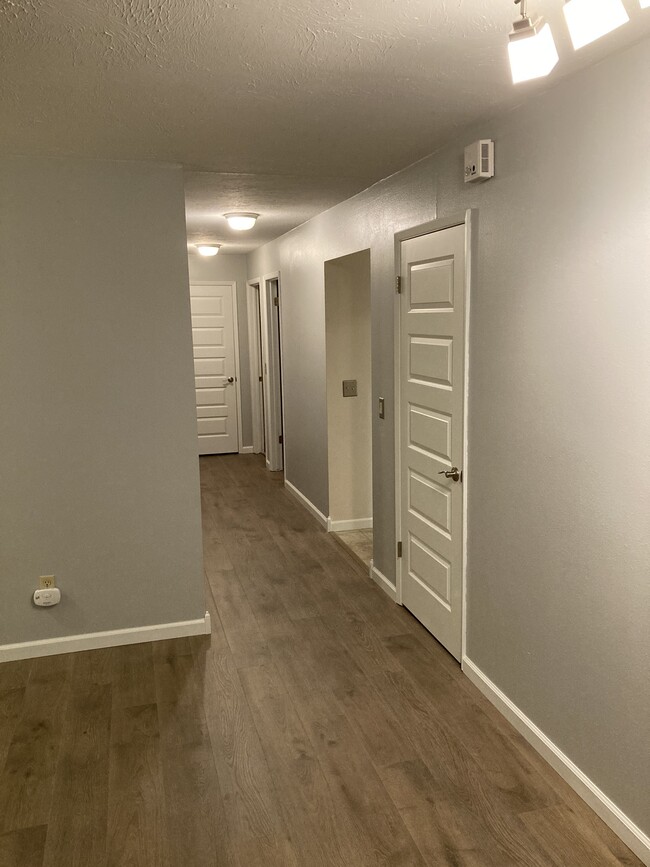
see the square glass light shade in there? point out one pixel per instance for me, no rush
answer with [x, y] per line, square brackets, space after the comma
[588, 20]
[532, 56]
[645, 4]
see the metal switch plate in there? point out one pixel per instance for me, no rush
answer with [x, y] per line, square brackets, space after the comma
[381, 408]
[349, 388]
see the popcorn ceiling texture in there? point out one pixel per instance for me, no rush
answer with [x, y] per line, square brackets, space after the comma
[331, 94]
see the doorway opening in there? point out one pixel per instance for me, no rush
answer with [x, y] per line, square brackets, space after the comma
[265, 342]
[349, 402]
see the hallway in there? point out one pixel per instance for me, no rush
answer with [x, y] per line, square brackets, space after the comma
[318, 725]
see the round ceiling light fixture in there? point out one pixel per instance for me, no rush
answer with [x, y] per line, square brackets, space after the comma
[241, 221]
[208, 249]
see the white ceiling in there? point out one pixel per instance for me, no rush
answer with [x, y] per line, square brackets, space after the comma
[284, 107]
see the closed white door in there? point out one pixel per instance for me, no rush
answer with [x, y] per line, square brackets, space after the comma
[432, 353]
[215, 370]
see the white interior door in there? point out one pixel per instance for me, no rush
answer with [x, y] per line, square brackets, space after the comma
[432, 356]
[256, 365]
[215, 367]
[270, 321]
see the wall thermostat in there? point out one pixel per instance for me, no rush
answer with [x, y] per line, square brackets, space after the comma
[479, 160]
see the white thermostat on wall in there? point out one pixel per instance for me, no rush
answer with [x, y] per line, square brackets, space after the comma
[479, 160]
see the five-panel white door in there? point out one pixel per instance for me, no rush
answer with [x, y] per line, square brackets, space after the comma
[213, 336]
[432, 355]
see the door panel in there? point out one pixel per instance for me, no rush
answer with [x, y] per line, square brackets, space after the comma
[432, 333]
[213, 335]
[209, 366]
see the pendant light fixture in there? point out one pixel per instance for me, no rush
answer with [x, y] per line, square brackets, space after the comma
[588, 20]
[531, 48]
[208, 249]
[241, 221]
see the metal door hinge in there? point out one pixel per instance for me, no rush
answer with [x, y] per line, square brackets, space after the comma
[398, 285]
[276, 303]
[260, 378]
[399, 549]
[280, 439]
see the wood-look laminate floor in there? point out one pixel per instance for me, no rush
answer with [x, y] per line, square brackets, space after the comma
[319, 726]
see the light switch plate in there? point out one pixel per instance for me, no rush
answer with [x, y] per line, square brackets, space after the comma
[349, 388]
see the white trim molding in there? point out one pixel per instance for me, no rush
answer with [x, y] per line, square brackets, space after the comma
[380, 579]
[302, 499]
[352, 524]
[246, 450]
[111, 638]
[622, 825]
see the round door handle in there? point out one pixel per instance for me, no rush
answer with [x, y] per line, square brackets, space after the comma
[454, 473]
[231, 379]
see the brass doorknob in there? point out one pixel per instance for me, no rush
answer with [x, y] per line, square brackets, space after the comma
[231, 379]
[454, 473]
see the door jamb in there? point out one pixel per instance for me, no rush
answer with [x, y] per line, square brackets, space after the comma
[470, 220]
[253, 300]
[235, 326]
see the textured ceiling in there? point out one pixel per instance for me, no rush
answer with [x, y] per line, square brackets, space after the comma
[294, 104]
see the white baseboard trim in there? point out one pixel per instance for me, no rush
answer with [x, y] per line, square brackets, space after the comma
[246, 450]
[622, 825]
[352, 524]
[111, 638]
[380, 579]
[302, 499]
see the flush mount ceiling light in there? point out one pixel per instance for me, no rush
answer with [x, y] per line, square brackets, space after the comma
[241, 221]
[208, 249]
[588, 20]
[531, 48]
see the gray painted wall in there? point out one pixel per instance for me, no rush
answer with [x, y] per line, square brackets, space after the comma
[229, 267]
[98, 465]
[559, 417]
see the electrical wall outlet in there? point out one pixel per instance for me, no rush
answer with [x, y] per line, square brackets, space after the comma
[46, 582]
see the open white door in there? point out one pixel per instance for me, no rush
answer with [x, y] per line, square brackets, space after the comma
[256, 364]
[214, 335]
[431, 435]
[272, 374]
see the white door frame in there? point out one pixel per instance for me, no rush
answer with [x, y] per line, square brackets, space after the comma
[253, 302]
[273, 386]
[235, 326]
[470, 220]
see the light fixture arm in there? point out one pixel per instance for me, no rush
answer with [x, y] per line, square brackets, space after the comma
[523, 7]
